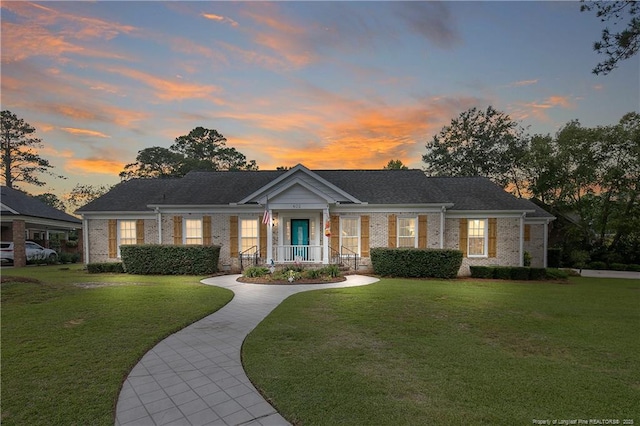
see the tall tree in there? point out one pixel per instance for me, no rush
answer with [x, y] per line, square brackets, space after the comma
[153, 162]
[479, 143]
[20, 161]
[621, 45]
[593, 173]
[51, 200]
[201, 149]
[395, 165]
[83, 194]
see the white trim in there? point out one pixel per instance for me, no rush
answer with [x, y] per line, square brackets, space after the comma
[159, 222]
[184, 230]
[7, 208]
[120, 215]
[415, 230]
[119, 236]
[52, 223]
[485, 239]
[545, 244]
[442, 222]
[521, 262]
[358, 232]
[269, 254]
[387, 208]
[298, 168]
[85, 240]
[481, 214]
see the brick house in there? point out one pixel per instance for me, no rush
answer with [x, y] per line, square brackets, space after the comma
[23, 218]
[318, 216]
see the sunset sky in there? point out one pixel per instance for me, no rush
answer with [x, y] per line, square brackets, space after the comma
[332, 85]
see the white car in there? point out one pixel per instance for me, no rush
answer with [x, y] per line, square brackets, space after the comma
[33, 250]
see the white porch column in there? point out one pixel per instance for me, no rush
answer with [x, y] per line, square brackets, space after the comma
[85, 239]
[325, 239]
[159, 220]
[270, 237]
[521, 262]
[442, 210]
[545, 244]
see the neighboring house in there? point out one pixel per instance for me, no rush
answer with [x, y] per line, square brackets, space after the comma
[314, 216]
[26, 218]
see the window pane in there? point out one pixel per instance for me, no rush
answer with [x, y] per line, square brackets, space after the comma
[477, 237]
[406, 232]
[349, 234]
[127, 232]
[193, 231]
[248, 234]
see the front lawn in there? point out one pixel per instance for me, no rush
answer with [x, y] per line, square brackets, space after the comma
[407, 352]
[69, 338]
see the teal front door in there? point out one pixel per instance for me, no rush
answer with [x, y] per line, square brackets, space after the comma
[300, 237]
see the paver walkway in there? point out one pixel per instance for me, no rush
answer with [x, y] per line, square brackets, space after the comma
[195, 376]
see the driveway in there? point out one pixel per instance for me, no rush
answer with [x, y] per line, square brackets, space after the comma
[195, 376]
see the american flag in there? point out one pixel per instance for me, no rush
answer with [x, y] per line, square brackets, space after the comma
[266, 216]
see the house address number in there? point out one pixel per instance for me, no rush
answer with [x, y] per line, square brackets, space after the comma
[296, 206]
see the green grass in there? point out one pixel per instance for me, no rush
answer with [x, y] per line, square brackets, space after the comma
[66, 349]
[408, 352]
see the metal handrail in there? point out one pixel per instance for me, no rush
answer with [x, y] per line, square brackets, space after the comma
[255, 255]
[337, 256]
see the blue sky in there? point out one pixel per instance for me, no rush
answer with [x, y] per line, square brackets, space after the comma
[327, 84]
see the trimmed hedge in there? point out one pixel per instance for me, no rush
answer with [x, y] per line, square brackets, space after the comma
[103, 268]
[156, 259]
[416, 263]
[517, 273]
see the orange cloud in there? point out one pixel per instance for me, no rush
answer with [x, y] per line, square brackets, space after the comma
[33, 38]
[284, 39]
[539, 109]
[168, 90]
[347, 133]
[94, 165]
[84, 132]
[218, 18]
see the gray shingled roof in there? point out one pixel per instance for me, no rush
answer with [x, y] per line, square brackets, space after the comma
[371, 186]
[25, 205]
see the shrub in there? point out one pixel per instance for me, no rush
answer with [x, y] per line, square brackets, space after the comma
[579, 258]
[537, 274]
[312, 274]
[502, 272]
[107, 267]
[618, 267]
[156, 259]
[256, 271]
[526, 258]
[482, 271]
[519, 273]
[416, 263]
[633, 267]
[556, 274]
[332, 271]
[598, 265]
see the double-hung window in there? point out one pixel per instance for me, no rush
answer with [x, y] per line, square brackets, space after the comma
[350, 240]
[477, 237]
[248, 234]
[127, 232]
[407, 235]
[193, 231]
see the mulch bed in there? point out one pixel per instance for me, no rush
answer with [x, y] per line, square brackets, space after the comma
[262, 280]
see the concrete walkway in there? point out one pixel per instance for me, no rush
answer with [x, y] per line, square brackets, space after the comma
[195, 376]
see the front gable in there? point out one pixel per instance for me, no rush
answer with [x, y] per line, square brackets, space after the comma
[300, 186]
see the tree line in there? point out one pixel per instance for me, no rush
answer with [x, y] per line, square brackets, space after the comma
[588, 177]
